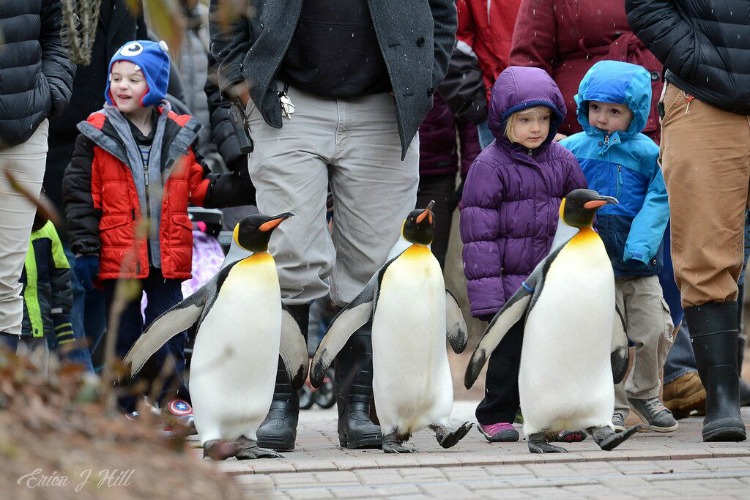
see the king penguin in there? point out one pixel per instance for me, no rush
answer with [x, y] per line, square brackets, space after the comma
[411, 313]
[574, 343]
[241, 329]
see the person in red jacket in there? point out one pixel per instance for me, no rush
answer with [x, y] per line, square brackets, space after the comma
[566, 38]
[126, 193]
[485, 30]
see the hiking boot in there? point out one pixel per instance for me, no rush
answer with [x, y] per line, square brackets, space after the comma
[653, 412]
[502, 432]
[618, 421]
[685, 394]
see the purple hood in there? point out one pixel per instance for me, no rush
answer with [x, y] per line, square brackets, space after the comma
[518, 88]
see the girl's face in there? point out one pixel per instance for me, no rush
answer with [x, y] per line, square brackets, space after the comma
[609, 117]
[127, 86]
[531, 127]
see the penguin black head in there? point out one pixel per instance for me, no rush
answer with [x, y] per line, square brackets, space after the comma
[580, 206]
[418, 226]
[253, 232]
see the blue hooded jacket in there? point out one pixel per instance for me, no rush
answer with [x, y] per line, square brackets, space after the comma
[624, 165]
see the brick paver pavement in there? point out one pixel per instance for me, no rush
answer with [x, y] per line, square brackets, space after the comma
[649, 465]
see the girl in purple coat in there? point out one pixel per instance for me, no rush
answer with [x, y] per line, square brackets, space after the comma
[509, 214]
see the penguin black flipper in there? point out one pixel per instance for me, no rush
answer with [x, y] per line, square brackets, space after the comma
[293, 349]
[620, 353]
[182, 316]
[358, 312]
[457, 332]
[514, 309]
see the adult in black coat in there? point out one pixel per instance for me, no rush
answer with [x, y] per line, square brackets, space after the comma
[705, 157]
[36, 83]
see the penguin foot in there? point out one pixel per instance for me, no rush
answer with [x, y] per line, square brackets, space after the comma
[248, 449]
[218, 449]
[448, 437]
[392, 443]
[608, 440]
[539, 443]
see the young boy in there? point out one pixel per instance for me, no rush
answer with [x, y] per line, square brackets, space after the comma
[47, 293]
[618, 160]
[126, 194]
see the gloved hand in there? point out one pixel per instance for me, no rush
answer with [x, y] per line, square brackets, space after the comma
[86, 269]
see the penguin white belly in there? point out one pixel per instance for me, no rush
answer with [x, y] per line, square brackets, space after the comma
[236, 352]
[565, 377]
[412, 382]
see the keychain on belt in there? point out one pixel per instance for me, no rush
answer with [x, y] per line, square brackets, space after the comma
[287, 108]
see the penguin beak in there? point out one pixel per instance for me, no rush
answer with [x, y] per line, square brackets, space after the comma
[600, 202]
[426, 213]
[271, 224]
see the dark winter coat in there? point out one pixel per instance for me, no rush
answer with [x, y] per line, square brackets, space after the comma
[512, 196]
[438, 146]
[415, 38]
[705, 46]
[37, 76]
[566, 37]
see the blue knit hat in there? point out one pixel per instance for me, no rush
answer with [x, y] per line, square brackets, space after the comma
[153, 61]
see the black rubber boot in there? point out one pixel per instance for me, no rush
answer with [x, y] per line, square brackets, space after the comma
[353, 387]
[744, 386]
[714, 334]
[279, 430]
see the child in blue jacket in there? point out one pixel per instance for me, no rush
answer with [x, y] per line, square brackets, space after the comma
[614, 100]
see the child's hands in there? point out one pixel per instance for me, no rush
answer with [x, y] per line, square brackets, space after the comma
[86, 269]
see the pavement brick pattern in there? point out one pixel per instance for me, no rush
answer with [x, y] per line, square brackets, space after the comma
[649, 465]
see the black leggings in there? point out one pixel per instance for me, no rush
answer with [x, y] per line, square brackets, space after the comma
[501, 401]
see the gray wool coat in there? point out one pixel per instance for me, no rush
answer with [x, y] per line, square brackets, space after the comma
[415, 37]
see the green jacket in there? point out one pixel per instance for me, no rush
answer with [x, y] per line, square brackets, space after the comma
[47, 292]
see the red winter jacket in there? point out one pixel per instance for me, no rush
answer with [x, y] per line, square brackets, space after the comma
[102, 207]
[566, 37]
[486, 26]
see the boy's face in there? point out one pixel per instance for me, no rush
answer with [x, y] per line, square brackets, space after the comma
[609, 117]
[127, 86]
[531, 127]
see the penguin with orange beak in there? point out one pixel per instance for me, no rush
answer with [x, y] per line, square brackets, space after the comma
[574, 343]
[241, 329]
[411, 313]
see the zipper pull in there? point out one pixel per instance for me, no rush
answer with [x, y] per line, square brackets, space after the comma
[689, 98]
[606, 139]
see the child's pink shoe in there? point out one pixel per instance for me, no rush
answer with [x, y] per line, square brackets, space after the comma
[502, 432]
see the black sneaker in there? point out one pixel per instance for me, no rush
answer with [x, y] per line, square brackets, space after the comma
[653, 412]
[618, 421]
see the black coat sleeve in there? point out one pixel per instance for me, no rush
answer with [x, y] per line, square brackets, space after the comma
[463, 88]
[56, 65]
[222, 130]
[229, 190]
[80, 213]
[667, 35]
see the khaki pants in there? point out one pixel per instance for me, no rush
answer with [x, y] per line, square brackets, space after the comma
[705, 157]
[354, 145]
[26, 162]
[649, 325]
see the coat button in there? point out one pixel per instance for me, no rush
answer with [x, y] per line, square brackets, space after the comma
[420, 41]
[431, 91]
[655, 76]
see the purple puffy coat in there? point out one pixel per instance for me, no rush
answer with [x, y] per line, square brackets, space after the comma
[512, 195]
